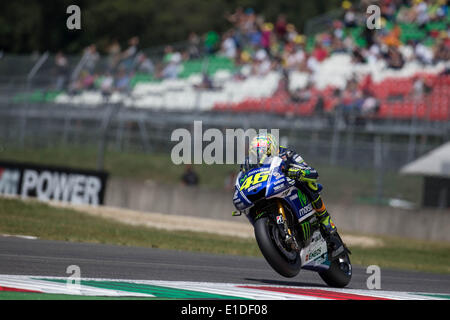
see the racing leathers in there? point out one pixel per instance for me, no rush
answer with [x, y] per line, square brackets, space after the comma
[306, 176]
[306, 180]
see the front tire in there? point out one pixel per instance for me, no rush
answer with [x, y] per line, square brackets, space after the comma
[270, 243]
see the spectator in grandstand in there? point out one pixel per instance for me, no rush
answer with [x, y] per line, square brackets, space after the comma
[293, 55]
[168, 52]
[122, 80]
[90, 58]
[373, 54]
[394, 59]
[405, 15]
[128, 56]
[357, 56]
[85, 81]
[388, 9]
[441, 10]
[235, 18]
[266, 36]
[350, 101]
[248, 23]
[337, 45]
[62, 70]
[302, 94]
[144, 64]
[211, 42]
[442, 49]
[319, 52]
[281, 27]
[349, 15]
[88, 80]
[338, 31]
[421, 12]
[229, 47]
[206, 83]
[107, 85]
[113, 51]
[193, 47]
[392, 38]
[254, 37]
[421, 87]
[261, 63]
[369, 106]
[172, 69]
[407, 51]
[291, 33]
[312, 64]
[423, 53]
[319, 106]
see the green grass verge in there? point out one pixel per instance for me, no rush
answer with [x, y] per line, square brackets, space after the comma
[46, 222]
[43, 221]
[405, 254]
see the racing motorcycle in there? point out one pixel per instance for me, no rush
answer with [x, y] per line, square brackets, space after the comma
[286, 228]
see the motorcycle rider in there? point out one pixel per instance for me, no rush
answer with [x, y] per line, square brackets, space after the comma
[265, 145]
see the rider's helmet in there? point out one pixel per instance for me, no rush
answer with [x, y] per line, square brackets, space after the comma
[262, 146]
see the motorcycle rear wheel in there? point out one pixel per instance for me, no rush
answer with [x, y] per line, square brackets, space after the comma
[340, 272]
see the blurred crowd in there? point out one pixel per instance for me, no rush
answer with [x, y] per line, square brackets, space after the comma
[263, 44]
[108, 75]
[259, 46]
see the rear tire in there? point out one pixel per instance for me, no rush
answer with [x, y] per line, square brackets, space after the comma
[340, 272]
[265, 237]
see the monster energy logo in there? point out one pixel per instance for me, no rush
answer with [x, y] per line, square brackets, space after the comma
[306, 228]
[303, 198]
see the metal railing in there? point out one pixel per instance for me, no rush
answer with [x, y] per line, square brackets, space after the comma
[330, 141]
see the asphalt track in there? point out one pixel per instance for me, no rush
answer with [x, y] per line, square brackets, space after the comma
[51, 258]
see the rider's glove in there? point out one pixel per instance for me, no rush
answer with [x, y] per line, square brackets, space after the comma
[295, 173]
[287, 156]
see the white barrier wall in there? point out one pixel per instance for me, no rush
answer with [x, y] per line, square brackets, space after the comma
[201, 202]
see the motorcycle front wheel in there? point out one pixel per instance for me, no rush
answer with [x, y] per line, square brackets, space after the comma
[284, 260]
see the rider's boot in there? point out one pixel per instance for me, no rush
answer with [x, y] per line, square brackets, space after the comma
[328, 228]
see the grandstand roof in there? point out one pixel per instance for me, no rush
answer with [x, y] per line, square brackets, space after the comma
[434, 163]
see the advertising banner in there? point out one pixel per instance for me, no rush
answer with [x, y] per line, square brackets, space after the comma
[69, 185]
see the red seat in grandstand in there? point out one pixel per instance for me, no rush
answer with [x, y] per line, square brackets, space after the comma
[432, 105]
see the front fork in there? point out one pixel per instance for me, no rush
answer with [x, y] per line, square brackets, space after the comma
[289, 235]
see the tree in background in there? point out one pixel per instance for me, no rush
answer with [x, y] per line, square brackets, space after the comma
[38, 25]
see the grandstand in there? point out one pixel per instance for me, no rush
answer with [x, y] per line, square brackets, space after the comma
[250, 79]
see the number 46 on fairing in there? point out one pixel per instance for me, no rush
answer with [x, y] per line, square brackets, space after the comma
[255, 179]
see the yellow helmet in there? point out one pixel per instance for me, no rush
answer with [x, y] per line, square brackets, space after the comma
[262, 146]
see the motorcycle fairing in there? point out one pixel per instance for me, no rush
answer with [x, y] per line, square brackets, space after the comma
[276, 185]
[314, 256]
